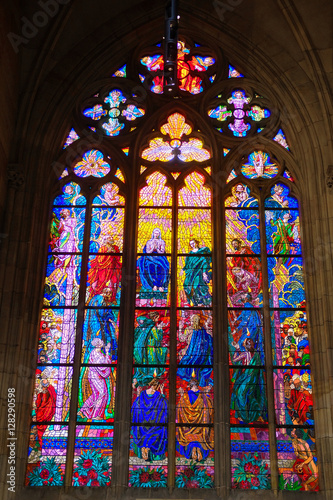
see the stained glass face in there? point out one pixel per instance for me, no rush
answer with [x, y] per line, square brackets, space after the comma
[259, 165]
[241, 197]
[250, 460]
[92, 164]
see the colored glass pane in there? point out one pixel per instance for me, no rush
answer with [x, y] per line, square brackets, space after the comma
[231, 176]
[97, 386]
[290, 338]
[120, 175]
[293, 396]
[233, 73]
[281, 139]
[72, 136]
[286, 281]
[151, 344]
[47, 455]
[53, 385]
[288, 175]
[283, 232]
[109, 196]
[280, 198]
[155, 192]
[246, 338]
[188, 69]
[95, 113]
[194, 194]
[194, 225]
[92, 164]
[93, 455]
[257, 113]
[295, 472]
[70, 196]
[241, 197]
[189, 150]
[101, 322]
[54, 336]
[121, 72]
[248, 402]
[259, 165]
[242, 232]
[225, 152]
[250, 460]
[106, 233]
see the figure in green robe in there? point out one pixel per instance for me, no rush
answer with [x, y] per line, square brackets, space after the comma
[148, 349]
[197, 275]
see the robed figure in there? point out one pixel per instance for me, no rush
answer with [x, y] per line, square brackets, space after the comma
[150, 407]
[96, 382]
[148, 349]
[198, 274]
[199, 351]
[105, 271]
[195, 408]
[154, 268]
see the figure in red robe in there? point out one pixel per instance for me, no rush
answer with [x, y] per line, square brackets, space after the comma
[45, 405]
[105, 271]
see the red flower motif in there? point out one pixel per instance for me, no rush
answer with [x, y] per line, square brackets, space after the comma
[144, 477]
[189, 472]
[244, 485]
[45, 483]
[255, 481]
[87, 463]
[248, 467]
[83, 480]
[92, 474]
[94, 483]
[44, 474]
[192, 484]
[156, 476]
[255, 469]
[76, 474]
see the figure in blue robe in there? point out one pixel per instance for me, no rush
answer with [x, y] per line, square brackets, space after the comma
[150, 407]
[199, 352]
[102, 323]
[154, 268]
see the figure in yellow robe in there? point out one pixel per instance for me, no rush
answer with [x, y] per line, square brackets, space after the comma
[195, 407]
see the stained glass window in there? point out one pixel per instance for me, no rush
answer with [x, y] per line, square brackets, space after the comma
[79, 328]
[216, 187]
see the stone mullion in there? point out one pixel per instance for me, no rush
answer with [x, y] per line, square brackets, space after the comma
[221, 354]
[173, 345]
[268, 351]
[122, 421]
[78, 347]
